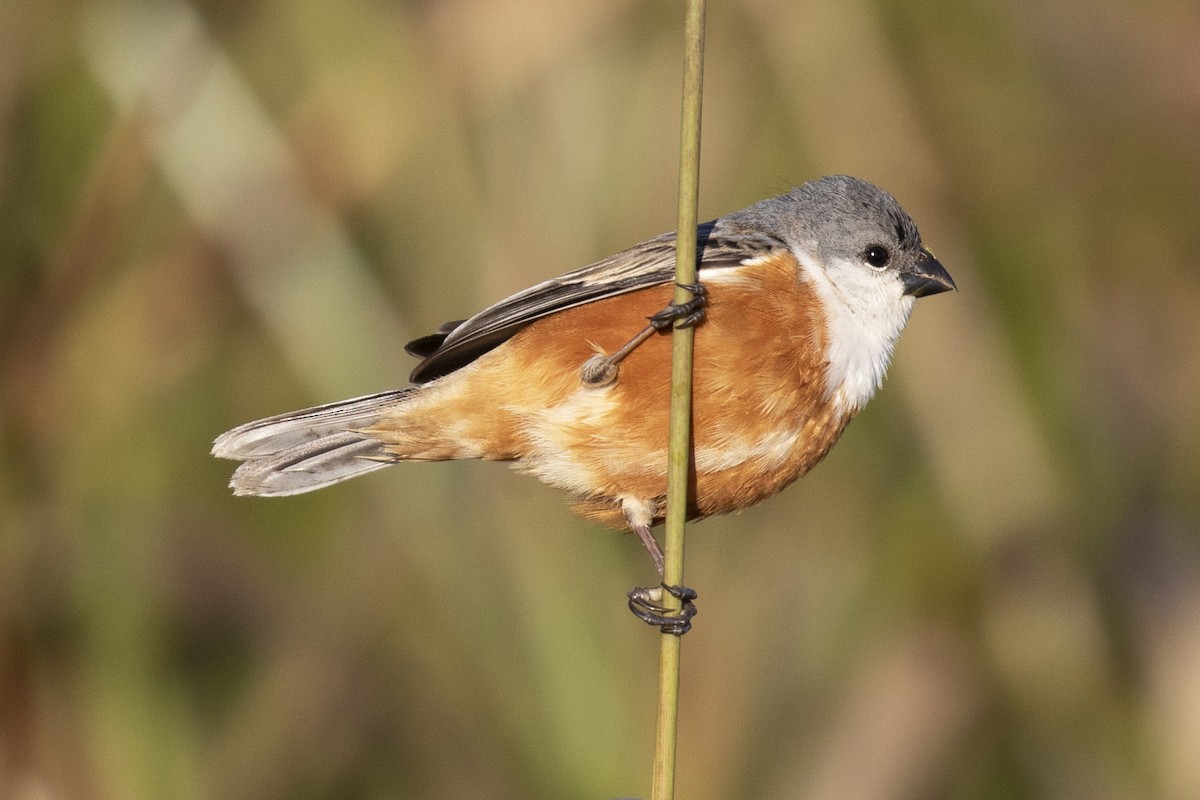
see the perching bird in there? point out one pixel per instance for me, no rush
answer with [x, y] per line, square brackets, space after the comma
[804, 296]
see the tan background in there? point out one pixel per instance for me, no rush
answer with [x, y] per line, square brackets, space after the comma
[218, 211]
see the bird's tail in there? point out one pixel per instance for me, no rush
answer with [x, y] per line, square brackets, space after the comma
[304, 450]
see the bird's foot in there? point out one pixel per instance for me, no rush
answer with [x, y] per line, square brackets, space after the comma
[686, 314]
[646, 604]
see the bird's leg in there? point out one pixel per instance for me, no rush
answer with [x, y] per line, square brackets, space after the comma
[646, 601]
[646, 536]
[601, 370]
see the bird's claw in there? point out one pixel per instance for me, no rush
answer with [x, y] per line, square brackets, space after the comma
[646, 604]
[686, 314]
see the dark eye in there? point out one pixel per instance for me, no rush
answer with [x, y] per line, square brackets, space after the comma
[877, 256]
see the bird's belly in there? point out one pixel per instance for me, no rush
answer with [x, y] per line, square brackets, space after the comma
[594, 449]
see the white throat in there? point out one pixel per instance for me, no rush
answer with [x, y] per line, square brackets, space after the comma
[865, 312]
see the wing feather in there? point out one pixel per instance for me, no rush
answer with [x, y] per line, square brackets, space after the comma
[650, 263]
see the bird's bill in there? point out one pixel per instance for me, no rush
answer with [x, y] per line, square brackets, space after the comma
[927, 276]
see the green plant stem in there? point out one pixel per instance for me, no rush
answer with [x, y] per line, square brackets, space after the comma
[679, 443]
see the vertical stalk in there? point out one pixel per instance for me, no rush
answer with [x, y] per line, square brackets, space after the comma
[679, 444]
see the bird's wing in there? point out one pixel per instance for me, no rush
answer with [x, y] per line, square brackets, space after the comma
[649, 263]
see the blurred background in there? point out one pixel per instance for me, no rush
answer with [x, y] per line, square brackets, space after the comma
[215, 211]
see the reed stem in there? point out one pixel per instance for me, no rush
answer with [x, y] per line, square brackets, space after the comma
[679, 444]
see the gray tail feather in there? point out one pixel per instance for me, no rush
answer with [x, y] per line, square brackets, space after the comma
[305, 450]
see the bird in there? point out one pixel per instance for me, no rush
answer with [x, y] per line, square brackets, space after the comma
[799, 303]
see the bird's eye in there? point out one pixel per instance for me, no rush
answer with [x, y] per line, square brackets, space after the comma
[877, 256]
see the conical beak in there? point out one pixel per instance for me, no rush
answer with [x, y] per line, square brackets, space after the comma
[927, 276]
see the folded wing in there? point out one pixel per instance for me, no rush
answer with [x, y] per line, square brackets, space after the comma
[650, 263]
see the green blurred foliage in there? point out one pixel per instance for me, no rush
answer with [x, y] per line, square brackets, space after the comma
[214, 212]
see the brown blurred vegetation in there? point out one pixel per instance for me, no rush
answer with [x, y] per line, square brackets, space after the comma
[217, 211]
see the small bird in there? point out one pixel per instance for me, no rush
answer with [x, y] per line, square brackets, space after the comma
[800, 301]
